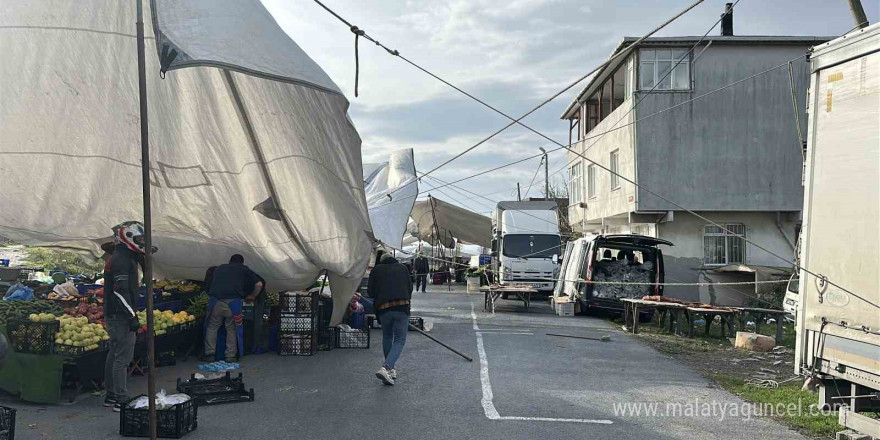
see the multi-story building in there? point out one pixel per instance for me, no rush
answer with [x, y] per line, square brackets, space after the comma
[731, 154]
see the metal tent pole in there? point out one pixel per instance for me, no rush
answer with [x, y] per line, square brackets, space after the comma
[148, 221]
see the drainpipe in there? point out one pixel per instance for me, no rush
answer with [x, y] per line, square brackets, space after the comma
[782, 231]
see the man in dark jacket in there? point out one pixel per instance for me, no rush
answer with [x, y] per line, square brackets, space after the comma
[122, 282]
[391, 289]
[421, 267]
[228, 286]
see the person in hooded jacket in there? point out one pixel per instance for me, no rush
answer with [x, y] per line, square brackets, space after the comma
[391, 289]
[122, 280]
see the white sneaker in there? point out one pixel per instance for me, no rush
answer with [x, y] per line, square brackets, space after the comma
[393, 373]
[385, 376]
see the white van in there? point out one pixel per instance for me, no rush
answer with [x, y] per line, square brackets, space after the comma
[625, 258]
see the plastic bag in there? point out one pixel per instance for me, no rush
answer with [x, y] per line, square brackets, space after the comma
[163, 401]
[19, 292]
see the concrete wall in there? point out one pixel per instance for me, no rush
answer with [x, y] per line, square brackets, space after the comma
[684, 261]
[734, 150]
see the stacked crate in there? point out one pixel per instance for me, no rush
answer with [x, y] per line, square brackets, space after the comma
[298, 326]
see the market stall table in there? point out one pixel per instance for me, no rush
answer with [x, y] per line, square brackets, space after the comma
[493, 292]
[709, 313]
[631, 313]
[759, 314]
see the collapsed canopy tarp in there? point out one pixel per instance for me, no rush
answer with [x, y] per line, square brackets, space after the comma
[450, 221]
[250, 116]
[391, 188]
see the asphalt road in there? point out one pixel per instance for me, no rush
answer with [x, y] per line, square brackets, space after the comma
[522, 384]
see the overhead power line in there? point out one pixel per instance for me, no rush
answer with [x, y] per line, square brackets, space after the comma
[360, 33]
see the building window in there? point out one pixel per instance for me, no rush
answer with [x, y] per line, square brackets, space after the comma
[615, 179]
[591, 181]
[654, 67]
[721, 247]
[574, 185]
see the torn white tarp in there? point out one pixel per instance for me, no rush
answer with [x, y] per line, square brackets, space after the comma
[222, 140]
[391, 189]
[447, 221]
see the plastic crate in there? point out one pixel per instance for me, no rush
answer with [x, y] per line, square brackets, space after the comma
[7, 423]
[226, 389]
[354, 338]
[174, 422]
[302, 304]
[292, 324]
[297, 345]
[70, 351]
[327, 338]
[32, 337]
[417, 322]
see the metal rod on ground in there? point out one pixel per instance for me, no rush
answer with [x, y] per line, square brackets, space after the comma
[470, 359]
[603, 338]
[148, 221]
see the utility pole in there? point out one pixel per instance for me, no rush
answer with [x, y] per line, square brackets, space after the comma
[858, 13]
[546, 174]
[518, 196]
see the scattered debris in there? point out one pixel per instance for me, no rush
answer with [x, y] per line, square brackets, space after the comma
[604, 338]
[762, 383]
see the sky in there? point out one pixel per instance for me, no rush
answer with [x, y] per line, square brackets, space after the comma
[513, 55]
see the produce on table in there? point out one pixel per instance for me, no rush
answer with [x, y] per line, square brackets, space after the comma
[94, 312]
[23, 309]
[77, 332]
[41, 317]
[198, 306]
[272, 299]
[163, 320]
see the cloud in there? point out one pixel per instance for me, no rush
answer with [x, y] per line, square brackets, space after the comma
[512, 54]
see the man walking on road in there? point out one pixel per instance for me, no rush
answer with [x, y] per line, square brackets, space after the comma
[391, 289]
[421, 268]
[229, 284]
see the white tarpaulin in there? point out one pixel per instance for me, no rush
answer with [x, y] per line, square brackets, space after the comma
[391, 188]
[450, 221]
[221, 140]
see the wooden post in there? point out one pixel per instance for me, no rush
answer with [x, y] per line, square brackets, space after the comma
[148, 220]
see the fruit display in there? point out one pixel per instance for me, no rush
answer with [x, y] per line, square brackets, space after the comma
[272, 299]
[163, 320]
[41, 317]
[93, 312]
[198, 306]
[23, 309]
[78, 332]
[181, 286]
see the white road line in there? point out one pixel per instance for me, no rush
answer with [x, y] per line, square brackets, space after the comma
[504, 333]
[486, 401]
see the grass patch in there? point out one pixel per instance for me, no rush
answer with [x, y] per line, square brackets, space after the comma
[819, 426]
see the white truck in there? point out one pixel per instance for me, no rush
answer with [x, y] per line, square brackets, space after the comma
[526, 243]
[838, 312]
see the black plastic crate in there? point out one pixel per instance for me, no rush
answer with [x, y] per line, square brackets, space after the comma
[32, 337]
[174, 422]
[226, 389]
[297, 345]
[292, 324]
[417, 322]
[327, 338]
[70, 351]
[303, 304]
[7, 423]
[354, 338]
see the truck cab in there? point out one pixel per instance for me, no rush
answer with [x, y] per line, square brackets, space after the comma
[526, 244]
